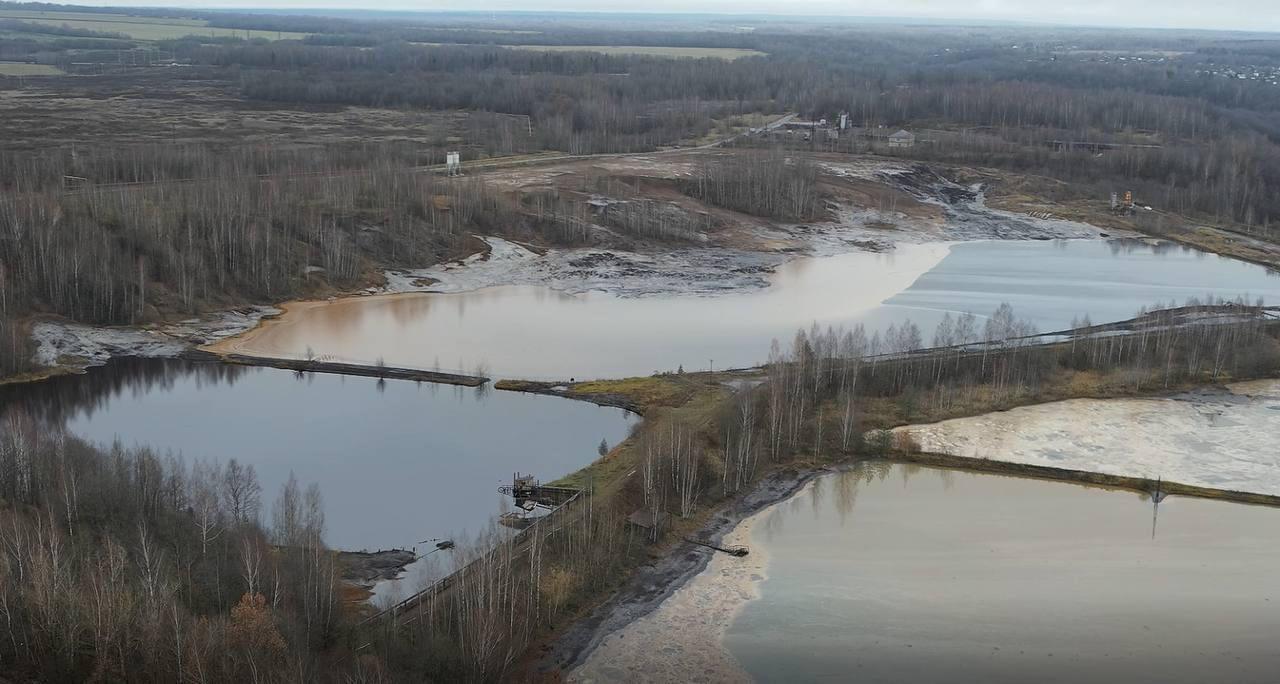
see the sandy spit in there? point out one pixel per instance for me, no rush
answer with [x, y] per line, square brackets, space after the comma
[696, 654]
[682, 639]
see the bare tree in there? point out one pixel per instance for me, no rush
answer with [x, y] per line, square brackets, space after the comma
[206, 503]
[241, 492]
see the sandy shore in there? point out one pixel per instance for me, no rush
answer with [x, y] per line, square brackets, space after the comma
[682, 639]
[711, 579]
[257, 339]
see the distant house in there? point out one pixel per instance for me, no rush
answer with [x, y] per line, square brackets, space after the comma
[902, 139]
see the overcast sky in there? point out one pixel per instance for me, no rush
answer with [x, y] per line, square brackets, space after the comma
[1225, 14]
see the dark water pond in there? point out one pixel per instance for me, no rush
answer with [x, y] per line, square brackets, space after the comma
[397, 462]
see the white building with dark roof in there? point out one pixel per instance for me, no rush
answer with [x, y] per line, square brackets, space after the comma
[902, 138]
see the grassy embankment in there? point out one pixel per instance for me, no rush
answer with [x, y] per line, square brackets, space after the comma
[692, 398]
[697, 398]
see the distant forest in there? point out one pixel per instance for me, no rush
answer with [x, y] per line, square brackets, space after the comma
[1188, 121]
[1201, 111]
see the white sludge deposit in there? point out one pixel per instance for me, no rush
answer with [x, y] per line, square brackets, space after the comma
[1225, 438]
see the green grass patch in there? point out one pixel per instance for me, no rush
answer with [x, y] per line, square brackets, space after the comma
[123, 43]
[659, 390]
[33, 15]
[24, 69]
[692, 399]
[141, 28]
[605, 475]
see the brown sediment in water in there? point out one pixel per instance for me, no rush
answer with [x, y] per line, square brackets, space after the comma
[245, 342]
[255, 347]
[469, 321]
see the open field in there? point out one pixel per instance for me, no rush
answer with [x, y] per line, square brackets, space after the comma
[34, 15]
[24, 69]
[144, 108]
[123, 43]
[507, 32]
[140, 28]
[646, 50]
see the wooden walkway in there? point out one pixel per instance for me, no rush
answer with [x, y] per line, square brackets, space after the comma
[339, 368]
[520, 542]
